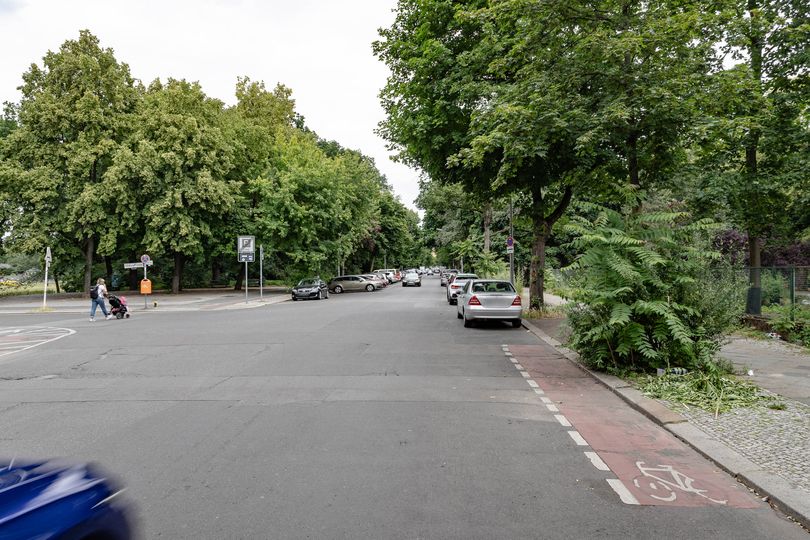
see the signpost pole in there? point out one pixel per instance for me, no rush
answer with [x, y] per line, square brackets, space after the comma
[45, 289]
[246, 282]
[146, 296]
[261, 273]
[512, 251]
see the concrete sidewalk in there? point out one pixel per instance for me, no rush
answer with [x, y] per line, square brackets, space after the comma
[200, 300]
[769, 450]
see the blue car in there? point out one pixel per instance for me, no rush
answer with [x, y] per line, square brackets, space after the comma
[59, 500]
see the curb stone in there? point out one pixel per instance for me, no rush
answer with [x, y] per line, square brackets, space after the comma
[781, 494]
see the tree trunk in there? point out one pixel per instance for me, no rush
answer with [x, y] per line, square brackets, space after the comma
[216, 271]
[109, 270]
[487, 226]
[542, 226]
[240, 278]
[371, 266]
[178, 273]
[753, 305]
[56, 282]
[754, 301]
[89, 250]
[538, 264]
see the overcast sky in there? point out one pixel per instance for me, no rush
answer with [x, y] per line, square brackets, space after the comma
[319, 48]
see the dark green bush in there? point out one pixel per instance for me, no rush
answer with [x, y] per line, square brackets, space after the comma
[648, 293]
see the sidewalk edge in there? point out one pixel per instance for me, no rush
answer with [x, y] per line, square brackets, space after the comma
[791, 501]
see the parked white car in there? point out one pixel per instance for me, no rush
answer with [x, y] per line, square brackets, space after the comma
[489, 299]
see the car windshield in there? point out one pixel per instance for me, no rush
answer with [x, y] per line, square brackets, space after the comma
[307, 283]
[492, 287]
[411, 275]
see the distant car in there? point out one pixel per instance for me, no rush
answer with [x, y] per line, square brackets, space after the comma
[445, 276]
[61, 500]
[412, 278]
[379, 282]
[395, 274]
[351, 283]
[455, 284]
[489, 299]
[314, 288]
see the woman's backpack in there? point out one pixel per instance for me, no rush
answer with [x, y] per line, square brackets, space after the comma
[94, 292]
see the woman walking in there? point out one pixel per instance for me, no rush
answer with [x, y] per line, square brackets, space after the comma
[97, 295]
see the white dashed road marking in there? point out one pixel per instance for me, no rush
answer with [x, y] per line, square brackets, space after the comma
[562, 420]
[578, 438]
[597, 461]
[624, 493]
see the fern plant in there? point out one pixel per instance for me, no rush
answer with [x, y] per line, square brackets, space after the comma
[635, 290]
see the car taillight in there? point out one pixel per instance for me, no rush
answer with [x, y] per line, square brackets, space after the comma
[474, 301]
[455, 286]
[516, 301]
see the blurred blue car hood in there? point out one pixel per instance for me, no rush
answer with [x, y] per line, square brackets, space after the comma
[59, 500]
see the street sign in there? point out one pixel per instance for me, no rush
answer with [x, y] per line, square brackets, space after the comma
[245, 244]
[510, 242]
[48, 257]
[247, 257]
[510, 249]
[145, 259]
[132, 266]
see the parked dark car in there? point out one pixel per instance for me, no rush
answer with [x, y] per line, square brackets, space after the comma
[61, 500]
[312, 288]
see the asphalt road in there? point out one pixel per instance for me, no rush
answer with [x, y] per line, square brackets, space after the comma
[368, 415]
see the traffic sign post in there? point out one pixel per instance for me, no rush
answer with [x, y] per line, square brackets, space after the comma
[145, 262]
[246, 252]
[48, 259]
[261, 273]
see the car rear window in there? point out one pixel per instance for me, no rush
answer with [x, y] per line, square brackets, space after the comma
[466, 276]
[493, 286]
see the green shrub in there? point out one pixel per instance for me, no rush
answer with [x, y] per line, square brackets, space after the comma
[647, 293]
[792, 325]
[774, 287]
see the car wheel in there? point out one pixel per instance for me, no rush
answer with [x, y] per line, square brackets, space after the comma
[468, 323]
[294, 299]
[338, 289]
[320, 295]
[516, 324]
[459, 315]
[369, 287]
[418, 284]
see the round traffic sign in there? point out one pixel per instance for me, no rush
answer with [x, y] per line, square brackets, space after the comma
[510, 242]
[145, 259]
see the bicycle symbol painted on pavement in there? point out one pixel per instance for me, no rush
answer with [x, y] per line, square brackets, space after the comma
[661, 483]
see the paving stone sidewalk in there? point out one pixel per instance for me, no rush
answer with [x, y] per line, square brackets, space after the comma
[777, 441]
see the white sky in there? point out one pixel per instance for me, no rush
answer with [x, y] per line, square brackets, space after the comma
[319, 48]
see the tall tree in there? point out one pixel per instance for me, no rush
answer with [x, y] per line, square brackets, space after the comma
[75, 111]
[179, 158]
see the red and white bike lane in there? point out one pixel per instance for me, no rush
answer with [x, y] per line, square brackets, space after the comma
[652, 466]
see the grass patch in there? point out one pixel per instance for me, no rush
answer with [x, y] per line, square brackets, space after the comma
[545, 312]
[24, 289]
[42, 310]
[712, 392]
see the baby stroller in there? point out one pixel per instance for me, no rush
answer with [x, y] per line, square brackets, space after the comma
[119, 306]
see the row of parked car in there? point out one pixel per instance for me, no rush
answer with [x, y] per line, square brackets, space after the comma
[481, 299]
[318, 289]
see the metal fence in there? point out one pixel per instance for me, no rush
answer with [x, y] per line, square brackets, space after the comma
[778, 286]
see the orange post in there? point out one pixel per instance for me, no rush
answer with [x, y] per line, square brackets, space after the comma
[146, 286]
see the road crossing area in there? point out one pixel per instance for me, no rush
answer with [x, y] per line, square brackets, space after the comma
[20, 338]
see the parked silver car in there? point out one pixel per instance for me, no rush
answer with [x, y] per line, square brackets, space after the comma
[489, 299]
[412, 278]
[350, 283]
[454, 285]
[445, 276]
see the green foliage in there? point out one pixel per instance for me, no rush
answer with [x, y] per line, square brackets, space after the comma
[710, 390]
[638, 291]
[774, 287]
[792, 323]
